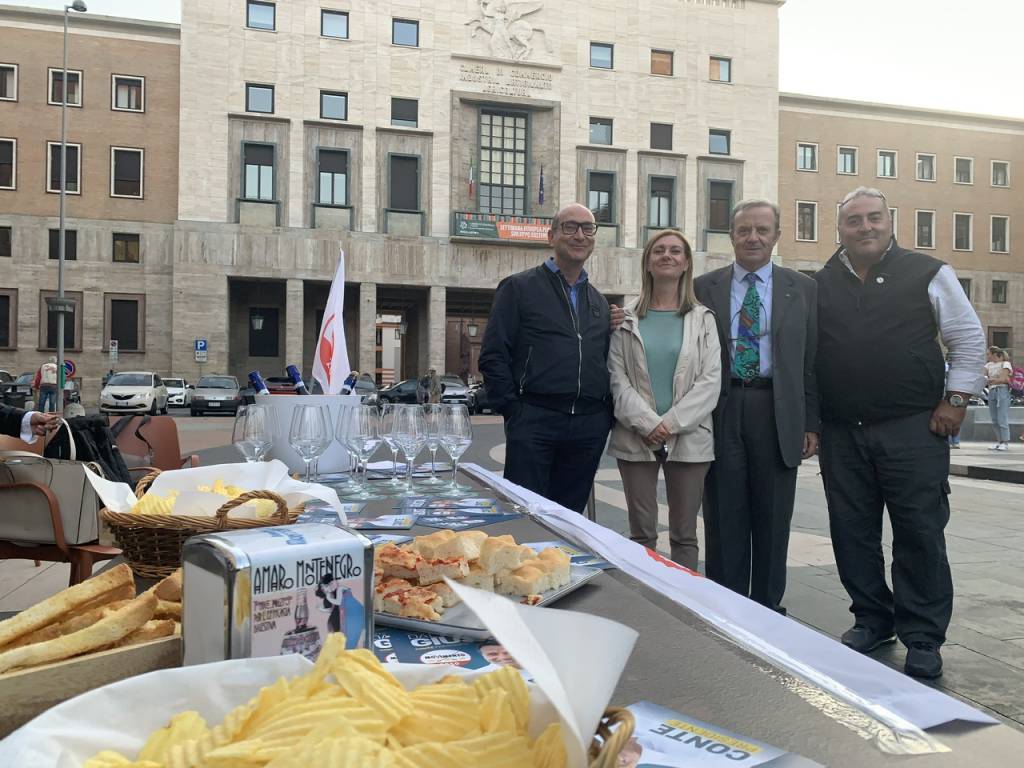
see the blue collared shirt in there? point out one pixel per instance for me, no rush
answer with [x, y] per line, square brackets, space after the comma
[574, 288]
[764, 291]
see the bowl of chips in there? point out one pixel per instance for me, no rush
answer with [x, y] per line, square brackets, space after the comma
[151, 534]
[347, 710]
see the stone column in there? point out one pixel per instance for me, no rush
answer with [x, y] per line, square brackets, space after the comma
[368, 328]
[293, 313]
[436, 327]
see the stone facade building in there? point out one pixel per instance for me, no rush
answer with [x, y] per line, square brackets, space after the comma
[122, 182]
[949, 179]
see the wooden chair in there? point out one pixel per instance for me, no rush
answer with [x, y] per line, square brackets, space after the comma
[161, 435]
[81, 556]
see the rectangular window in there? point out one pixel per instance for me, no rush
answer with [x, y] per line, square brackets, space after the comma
[8, 82]
[405, 32]
[126, 248]
[660, 209]
[806, 157]
[8, 163]
[259, 98]
[72, 322]
[258, 165]
[965, 283]
[503, 141]
[1000, 234]
[1000, 173]
[963, 224]
[74, 167]
[999, 291]
[661, 136]
[925, 230]
[8, 318]
[719, 205]
[128, 93]
[1000, 337]
[721, 69]
[964, 170]
[662, 63]
[925, 167]
[334, 24]
[405, 112]
[807, 221]
[70, 244]
[719, 142]
[263, 342]
[602, 55]
[333, 177]
[259, 15]
[404, 183]
[600, 196]
[334, 105]
[5, 242]
[600, 130]
[887, 164]
[125, 320]
[74, 90]
[846, 162]
[126, 167]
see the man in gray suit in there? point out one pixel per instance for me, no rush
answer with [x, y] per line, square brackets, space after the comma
[766, 420]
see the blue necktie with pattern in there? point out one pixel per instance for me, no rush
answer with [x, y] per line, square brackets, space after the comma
[746, 361]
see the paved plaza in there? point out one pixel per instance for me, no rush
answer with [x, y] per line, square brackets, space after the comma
[984, 655]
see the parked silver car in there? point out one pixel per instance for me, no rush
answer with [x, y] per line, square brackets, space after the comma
[455, 390]
[216, 393]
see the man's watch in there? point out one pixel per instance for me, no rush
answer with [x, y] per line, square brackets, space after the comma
[957, 401]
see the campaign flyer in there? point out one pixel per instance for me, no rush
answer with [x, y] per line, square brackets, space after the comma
[378, 539]
[383, 522]
[460, 522]
[327, 515]
[667, 739]
[576, 555]
[406, 647]
[479, 505]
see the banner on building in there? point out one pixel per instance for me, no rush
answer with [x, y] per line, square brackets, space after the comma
[492, 227]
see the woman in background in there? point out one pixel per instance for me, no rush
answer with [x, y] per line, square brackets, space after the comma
[665, 364]
[998, 372]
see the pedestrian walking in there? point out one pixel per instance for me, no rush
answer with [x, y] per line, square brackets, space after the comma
[766, 420]
[998, 373]
[666, 367]
[886, 418]
[545, 359]
[46, 386]
[434, 387]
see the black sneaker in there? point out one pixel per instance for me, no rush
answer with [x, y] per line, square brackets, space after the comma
[865, 639]
[923, 660]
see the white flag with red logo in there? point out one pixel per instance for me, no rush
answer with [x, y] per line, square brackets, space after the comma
[330, 363]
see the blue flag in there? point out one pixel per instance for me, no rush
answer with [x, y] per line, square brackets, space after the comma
[540, 192]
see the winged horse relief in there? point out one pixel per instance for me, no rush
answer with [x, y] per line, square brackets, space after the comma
[510, 34]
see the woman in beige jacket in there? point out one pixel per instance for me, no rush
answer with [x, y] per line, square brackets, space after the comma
[666, 367]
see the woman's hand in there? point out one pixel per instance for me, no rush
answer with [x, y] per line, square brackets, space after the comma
[658, 436]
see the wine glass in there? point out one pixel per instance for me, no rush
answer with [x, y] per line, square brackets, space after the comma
[326, 409]
[254, 431]
[432, 415]
[359, 431]
[309, 434]
[410, 432]
[456, 437]
[387, 433]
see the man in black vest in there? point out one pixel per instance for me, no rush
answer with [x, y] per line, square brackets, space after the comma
[545, 360]
[886, 415]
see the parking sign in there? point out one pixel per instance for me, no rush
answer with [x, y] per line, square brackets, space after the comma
[200, 349]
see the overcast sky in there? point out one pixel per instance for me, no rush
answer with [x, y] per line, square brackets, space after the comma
[947, 54]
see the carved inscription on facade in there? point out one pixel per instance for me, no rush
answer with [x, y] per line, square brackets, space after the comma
[505, 81]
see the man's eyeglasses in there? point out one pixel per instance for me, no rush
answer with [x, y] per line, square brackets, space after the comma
[589, 228]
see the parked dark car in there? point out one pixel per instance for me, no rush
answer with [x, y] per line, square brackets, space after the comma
[402, 392]
[18, 392]
[478, 402]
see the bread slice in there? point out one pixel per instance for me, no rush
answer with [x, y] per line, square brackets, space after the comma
[526, 580]
[556, 564]
[427, 545]
[415, 603]
[433, 571]
[446, 593]
[497, 554]
[386, 586]
[464, 544]
[396, 562]
[478, 578]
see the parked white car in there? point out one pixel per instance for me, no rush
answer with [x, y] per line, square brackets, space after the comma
[134, 392]
[178, 392]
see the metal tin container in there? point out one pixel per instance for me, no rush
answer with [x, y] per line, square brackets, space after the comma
[276, 590]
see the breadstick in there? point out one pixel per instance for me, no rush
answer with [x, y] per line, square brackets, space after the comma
[170, 588]
[107, 631]
[151, 630]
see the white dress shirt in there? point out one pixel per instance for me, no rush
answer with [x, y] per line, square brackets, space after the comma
[27, 435]
[764, 291]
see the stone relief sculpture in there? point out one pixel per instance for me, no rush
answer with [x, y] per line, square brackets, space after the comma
[510, 34]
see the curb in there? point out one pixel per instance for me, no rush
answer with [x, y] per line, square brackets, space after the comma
[997, 474]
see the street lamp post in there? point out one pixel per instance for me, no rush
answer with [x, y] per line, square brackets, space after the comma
[60, 306]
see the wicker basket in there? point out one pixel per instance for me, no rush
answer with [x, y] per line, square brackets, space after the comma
[614, 730]
[152, 543]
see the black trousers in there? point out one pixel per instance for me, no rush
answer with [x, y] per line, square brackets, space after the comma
[748, 501]
[555, 454]
[901, 465]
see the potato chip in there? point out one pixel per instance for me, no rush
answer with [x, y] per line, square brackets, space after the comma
[509, 680]
[549, 750]
[441, 713]
[434, 755]
[153, 504]
[108, 759]
[496, 714]
[498, 750]
[186, 726]
[389, 702]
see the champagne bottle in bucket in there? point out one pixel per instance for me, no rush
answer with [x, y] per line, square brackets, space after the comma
[296, 377]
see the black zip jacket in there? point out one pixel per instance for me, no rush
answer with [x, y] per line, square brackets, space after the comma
[537, 349]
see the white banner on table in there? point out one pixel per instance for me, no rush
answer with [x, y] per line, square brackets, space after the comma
[894, 699]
